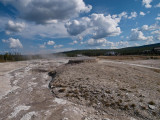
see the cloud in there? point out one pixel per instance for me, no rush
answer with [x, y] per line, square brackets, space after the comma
[12, 27]
[50, 43]
[13, 43]
[157, 18]
[74, 42]
[142, 13]
[147, 3]
[80, 38]
[122, 44]
[158, 5]
[3, 22]
[137, 35]
[157, 37]
[156, 32]
[150, 28]
[97, 42]
[99, 26]
[133, 15]
[76, 27]
[46, 43]
[123, 14]
[145, 27]
[150, 40]
[136, 44]
[42, 46]
[58, 46]
[29, 30]
[105, 43]
[44, 11]
[50, 31]
[105, 26]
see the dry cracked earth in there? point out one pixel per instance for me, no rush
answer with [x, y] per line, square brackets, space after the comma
[103, 90]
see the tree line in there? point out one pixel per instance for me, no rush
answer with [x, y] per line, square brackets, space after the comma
[12, 57]
[142, 50]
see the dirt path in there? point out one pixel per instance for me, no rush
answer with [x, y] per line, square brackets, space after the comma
[133, 63]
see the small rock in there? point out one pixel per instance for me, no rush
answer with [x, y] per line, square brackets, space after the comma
[152, 107]
[65, 119]
[86, 118]
[105, 119]
[132, 118]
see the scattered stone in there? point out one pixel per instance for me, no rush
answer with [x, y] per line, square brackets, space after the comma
[106, 119]
[98, 86]
[152, 107]
[133, 118]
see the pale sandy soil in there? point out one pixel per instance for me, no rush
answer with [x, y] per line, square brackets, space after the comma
[152, 63]
[25, 94]
[122, 89]
[87, 91]
[5, 68]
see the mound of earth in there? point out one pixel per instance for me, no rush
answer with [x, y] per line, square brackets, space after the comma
[121, 91]
[82, 60]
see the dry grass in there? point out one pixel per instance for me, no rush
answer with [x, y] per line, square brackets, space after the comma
[156, 70]
[129, 57]
[2, 61]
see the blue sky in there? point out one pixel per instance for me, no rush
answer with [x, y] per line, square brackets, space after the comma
[38, 26]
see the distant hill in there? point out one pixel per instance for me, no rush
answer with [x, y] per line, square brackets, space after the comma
[139, 50]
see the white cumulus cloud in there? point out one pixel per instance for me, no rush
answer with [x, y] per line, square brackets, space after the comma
[13, 27]
[74, 42]
[156, 32]
[97, 42]
[105, 43]
[44, 11]
[100, 26]
[147, 3]
[150, 27]
[137, 35]
[76, 27]
[58, 46]
[133, 15]
[105, 26]
[50, 43]
[123, 14]
[142, 13]
[158, 5]
[158, 18]
[145, 27]
[13, 43]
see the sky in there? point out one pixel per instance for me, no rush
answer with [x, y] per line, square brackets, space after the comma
[49, 26]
